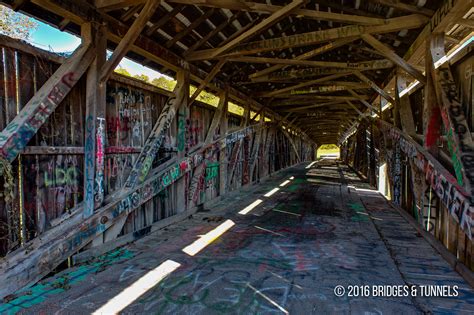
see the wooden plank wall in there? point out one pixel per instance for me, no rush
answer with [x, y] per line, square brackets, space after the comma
[431, 211]
[47, 178]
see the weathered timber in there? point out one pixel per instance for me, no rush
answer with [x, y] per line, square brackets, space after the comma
[145, 159]
[365, 65]
[24, 126]
[460, 144]
[453, 196]
[275, 17]
[363, 101]
[127, 41]
[80, 12]
[310, 54]
[206, 81]
[305, 39]
[390, 54]
[199, 172]
[94, 138]
[40, 256]
[189, 29]
[300, 73]
[309, 83]
[374, 86]
[211, 34]
[269, 9]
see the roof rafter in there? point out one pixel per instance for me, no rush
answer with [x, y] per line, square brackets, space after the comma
[275, 17]
[320, 50]
[316, 37]
[270, 9]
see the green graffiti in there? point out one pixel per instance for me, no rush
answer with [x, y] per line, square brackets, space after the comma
[360, 214]
[38, 293]
[453, 150]
[296, 184]
[212, 170]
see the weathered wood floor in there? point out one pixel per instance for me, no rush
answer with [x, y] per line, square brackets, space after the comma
[286, 255]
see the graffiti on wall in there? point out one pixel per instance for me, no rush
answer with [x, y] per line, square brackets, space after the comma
[396, 176]
[25, 125]
[99, 163]
[453, 196]
[153, 143]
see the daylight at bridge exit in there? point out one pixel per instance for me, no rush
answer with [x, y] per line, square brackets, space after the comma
[236, 157]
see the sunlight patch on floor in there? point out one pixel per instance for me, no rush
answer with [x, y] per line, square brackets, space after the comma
[208, 238]
[250, 207]
[138, 288]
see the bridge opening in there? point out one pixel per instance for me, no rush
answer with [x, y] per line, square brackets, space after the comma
[198, 156]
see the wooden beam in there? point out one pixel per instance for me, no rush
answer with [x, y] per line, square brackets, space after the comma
[24, 126]
[396, 4]
[244, 29]
[363, 101]
[217, 119]
[309, 83]
[223, 127]
[211, 34]
[129, 38]
[109, 5]
[275, 17]
[163, 20]
[326, 89]
[94, 135]
[364, 65]
[270, 9]
[206, 81]
[301, 108]
[297, 74]
[406, 114]
[310, 54]
[144, 161]
[390, 54]
[131, 12]
[310, 38]
[355, 108]
[466, 22]
[460, 142]
[305, 100]
[189, 29]
[293, 145]
[79, 13]
[374, 86]
[31, 263]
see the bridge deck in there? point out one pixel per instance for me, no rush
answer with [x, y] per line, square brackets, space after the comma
[324, 228]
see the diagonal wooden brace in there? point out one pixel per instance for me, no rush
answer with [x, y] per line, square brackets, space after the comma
[26, 124]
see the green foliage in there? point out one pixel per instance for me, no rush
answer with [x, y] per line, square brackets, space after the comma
[123, 71]
[164, 83]
[142, 77]
[16, 25]
[168, 85]
[329, 147]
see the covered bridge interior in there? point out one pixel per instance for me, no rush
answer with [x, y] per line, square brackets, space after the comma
[92, 160]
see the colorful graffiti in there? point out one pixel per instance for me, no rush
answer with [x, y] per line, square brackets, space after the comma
[25, 125]
[143, 164]
[453, 196]
[38, 293]
[99, 164]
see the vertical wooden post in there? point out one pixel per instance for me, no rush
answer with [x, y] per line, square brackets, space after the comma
[182, 140]
[246, 117]
[222, 151]
[431, 112]
[94, 142]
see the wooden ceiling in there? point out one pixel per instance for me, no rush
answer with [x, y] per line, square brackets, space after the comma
[318, 63]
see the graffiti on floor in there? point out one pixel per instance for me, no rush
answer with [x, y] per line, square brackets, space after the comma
[39, 292]
[359, 213]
